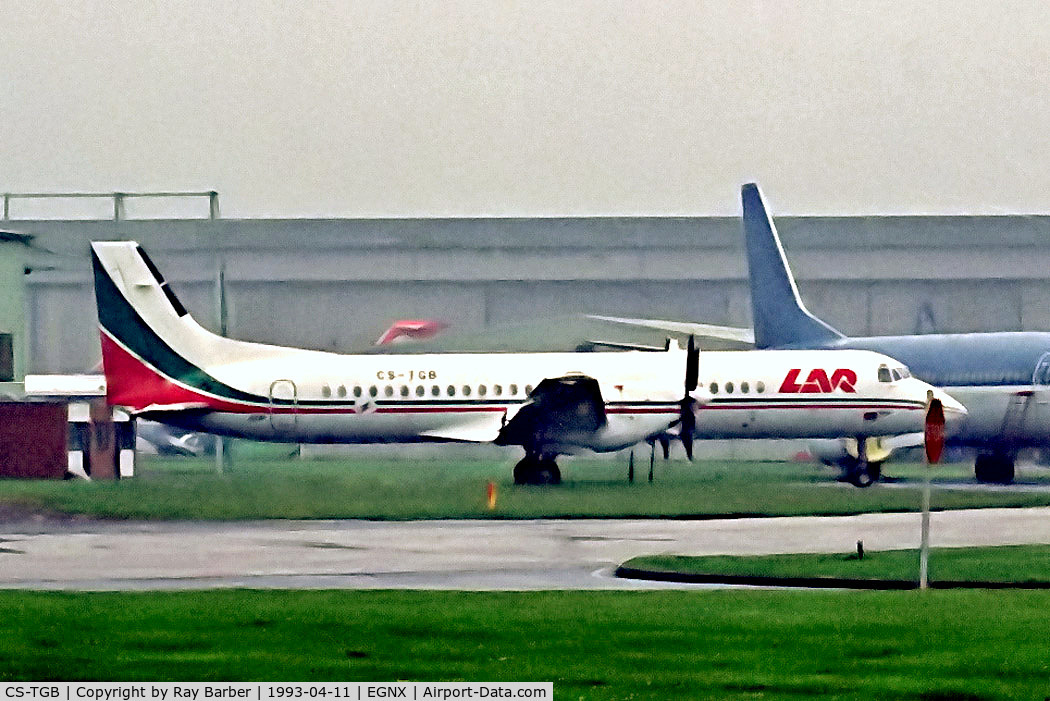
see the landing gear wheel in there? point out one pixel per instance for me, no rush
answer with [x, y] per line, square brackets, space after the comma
[522, 471]
[864, 475]
[537, 471]
[547, 473]
[863, 472]
[994, 469]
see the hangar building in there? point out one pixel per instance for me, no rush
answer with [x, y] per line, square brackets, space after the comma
[335, 284]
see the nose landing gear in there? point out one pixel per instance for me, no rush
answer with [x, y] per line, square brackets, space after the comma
[862, 472]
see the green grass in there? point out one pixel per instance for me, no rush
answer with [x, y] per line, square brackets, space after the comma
[1008, 563]
[270, 485]
[592, 645]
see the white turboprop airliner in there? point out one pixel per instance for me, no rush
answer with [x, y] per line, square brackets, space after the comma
[161, 364]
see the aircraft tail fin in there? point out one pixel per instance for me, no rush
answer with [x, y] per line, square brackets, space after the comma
[780, 317]
[153, 351]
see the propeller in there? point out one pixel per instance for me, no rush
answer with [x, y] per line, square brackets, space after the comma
[687, 423]
[665, 445]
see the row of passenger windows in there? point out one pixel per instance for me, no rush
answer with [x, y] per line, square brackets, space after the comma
[421, 391]
[745, 387]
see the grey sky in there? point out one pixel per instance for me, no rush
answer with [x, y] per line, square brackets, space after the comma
[539, 108]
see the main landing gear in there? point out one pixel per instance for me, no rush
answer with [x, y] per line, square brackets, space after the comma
[994, 468]
[862, 472]
[537, 469]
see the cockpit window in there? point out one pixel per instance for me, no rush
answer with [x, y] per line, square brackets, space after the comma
[905, 372]
[884, 374]
[896, 374]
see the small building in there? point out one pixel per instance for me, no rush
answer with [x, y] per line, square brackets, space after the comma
[97, 441]
[14, 256]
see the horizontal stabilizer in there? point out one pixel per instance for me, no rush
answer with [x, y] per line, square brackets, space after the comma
[155, 409]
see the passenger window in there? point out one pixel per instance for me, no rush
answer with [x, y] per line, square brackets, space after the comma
[714, 388]
[436, 391]
[884, 374]
[513, 390]
[420, 391]
[357, 390]
[373, 391]
[326, 391]
[744, 387]
[388, 391]
[760, 386]
[341, 391]
[497, 390]
[466, 390]
[482, 390]
[729, 388]
[528, 389]
[451, 391]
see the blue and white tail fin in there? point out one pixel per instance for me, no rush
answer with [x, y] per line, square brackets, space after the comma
[779, 316]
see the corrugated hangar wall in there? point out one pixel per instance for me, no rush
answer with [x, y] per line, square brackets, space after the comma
[336, 284]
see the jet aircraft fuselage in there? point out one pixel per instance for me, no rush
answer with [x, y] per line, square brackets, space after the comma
[1003, 378]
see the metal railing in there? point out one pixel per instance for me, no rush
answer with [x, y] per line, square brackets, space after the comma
[222, 453]
[119, 198]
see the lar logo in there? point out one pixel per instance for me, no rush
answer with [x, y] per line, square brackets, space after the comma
[817, 382]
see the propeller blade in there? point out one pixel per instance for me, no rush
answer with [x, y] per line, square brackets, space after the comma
[692, 365]
[687, 443]
[688, 425]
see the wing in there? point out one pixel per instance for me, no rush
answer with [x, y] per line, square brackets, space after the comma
[484, 429]
[744, 337]
[557, 410]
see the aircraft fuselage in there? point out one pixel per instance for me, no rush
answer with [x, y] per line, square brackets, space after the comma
[1003, 379]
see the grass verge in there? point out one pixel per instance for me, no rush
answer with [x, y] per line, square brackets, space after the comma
[1027, 564]
[592, 645]
[409, 488]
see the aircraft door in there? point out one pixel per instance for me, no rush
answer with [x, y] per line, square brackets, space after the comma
[284, 408]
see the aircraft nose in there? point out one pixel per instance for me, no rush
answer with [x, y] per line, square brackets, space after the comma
[953, 409]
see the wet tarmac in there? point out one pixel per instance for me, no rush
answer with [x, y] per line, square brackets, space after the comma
[456, 555]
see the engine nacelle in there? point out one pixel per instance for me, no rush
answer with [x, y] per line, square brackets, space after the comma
[842, 452]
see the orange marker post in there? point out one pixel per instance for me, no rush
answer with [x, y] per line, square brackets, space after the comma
[492, 495]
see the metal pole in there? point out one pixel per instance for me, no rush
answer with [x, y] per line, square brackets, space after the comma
[924, 547]
[118, 206]
[7, 205]
[223, 455]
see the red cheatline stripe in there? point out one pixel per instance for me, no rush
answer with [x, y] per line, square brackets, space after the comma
[134, 384]
[812, 406]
